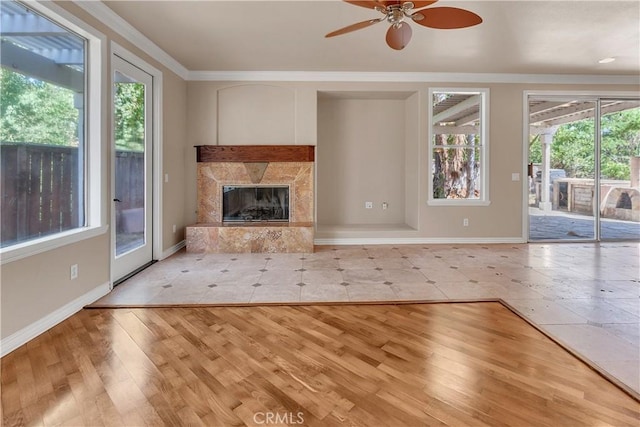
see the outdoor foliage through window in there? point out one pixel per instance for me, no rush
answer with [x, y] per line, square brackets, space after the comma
[42, 122]
[36, 111]
[129, 116]
[572, 148]
[456, 147]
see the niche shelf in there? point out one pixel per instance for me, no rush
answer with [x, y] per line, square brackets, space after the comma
[368, 150]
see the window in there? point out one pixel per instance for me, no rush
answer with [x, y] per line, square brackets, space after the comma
[49, 169]
[458, 143]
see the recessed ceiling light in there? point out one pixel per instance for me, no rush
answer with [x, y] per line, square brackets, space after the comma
[606, 60]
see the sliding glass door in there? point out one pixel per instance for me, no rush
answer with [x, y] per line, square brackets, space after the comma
[582, 152]
[619, 169]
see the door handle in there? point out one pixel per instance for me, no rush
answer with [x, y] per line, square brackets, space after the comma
[117, 200]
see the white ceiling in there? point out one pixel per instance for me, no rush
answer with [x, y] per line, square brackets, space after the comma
[528, 37]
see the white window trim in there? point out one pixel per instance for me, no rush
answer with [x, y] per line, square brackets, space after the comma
[484, 137]
[95, 174]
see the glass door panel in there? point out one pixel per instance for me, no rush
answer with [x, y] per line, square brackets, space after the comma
[129, 163]
[132, 168]
[562, 169]
[620, 169]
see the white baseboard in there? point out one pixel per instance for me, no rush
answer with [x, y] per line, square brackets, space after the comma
[15, 340]
[173, 249]
[415, 240]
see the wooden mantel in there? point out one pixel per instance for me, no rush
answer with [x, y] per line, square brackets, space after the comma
[255, 153]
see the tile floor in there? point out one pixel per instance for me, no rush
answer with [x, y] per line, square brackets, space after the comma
[586, 296]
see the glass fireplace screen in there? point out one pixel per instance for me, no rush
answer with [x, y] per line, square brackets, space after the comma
[243, 203]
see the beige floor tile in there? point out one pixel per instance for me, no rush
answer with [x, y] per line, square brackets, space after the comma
[404, 276]
[371, 292]
[627, 371]
[280, 293]
[240, 276]
[324, 293]
[189, 295]
[367, 276]
[357, 263]
[314, 277]
[468, 291]
[630, 332]
[597, 310]
[394, 263]
[280, 277]
[321, 264]
[227, 294]
[594, 342]
[418, 291]
[542, 311]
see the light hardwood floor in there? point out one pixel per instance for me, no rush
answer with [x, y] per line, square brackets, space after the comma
[584, 295]
[358, 365]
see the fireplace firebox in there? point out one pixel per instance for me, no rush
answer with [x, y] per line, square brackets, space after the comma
[243, 203]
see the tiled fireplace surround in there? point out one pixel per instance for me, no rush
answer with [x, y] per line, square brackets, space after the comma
[253, 165]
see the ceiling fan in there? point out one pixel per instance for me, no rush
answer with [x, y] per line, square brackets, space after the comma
[395, 12]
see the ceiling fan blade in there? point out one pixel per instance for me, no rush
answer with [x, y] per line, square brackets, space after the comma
[421, 4]
[371, 4]
[354, 27]
[399, 35]
[446, 18]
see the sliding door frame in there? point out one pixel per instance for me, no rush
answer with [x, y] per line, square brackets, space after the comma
[596, 97]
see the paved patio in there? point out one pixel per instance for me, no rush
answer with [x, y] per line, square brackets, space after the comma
[556, 225]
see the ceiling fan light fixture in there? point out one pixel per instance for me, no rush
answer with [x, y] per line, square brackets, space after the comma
[395, 12]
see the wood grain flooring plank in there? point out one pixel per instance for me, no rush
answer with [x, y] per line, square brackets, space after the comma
[370, 365]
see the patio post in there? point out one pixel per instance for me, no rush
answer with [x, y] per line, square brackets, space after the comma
[546, 140]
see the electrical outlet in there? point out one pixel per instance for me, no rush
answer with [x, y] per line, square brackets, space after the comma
[465, 222]
[385, 205]
[174, 228]
[74, 271]
[368, 205]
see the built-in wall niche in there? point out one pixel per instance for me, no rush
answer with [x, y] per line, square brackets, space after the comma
[367, 152]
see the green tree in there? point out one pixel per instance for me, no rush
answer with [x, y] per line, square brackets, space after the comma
[572, 148]
[35, 111]
[129, 116]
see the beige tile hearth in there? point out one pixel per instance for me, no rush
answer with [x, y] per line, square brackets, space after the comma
[210, 235]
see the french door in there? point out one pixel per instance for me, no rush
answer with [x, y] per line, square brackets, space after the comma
[583, 163]
[132, 160]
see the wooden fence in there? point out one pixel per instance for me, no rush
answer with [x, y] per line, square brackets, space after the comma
[42, 191]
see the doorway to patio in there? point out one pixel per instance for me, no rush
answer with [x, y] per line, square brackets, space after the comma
[583, 167]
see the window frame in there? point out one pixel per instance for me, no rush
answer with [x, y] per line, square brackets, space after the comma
[94, 173]
[483, 133]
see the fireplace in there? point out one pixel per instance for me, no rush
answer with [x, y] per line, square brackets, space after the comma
[254, 198]
[255, 203]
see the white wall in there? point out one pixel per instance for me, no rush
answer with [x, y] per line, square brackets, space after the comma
[372, 146]
[37, 290]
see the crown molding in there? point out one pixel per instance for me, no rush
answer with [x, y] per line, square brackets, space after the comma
[410, 77]
[104, 14]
